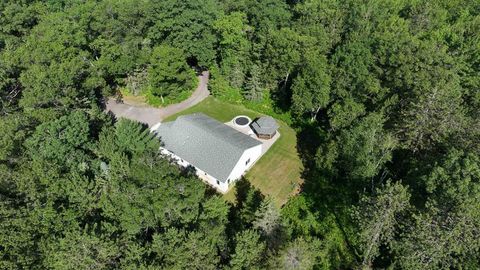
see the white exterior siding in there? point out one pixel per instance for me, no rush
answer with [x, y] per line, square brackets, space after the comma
[212, 181]
[240, 168]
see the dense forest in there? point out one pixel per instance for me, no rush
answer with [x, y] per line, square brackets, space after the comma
[383, 94]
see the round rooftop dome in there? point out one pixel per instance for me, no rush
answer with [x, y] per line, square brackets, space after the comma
[242, 121]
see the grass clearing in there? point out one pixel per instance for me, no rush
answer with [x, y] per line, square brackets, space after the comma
[139, 101]
[278, 172]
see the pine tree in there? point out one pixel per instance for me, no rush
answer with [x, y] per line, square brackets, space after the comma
[378, 217]
[268, 222]
[253, 86]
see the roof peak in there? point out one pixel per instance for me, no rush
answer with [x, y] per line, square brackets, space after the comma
[190, 119]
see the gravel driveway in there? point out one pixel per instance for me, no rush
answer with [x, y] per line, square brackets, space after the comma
[151, 115]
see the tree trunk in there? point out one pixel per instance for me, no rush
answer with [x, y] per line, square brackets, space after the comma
[314, 114]
[285, 80]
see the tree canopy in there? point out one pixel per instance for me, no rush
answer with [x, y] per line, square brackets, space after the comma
[383, 95]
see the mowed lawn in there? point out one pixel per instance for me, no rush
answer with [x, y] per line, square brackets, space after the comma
[277, 173]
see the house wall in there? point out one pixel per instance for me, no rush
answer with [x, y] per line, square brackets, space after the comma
[212, 181]
[240, 168]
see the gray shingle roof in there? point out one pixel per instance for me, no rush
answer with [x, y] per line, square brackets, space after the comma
[206, 143]
[265, 125]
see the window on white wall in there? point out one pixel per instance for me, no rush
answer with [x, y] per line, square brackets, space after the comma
[218, 182]
[248, 161]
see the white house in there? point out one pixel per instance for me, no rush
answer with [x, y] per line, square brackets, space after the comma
[219, 153]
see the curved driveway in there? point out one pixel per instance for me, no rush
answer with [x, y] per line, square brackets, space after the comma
[151, 115]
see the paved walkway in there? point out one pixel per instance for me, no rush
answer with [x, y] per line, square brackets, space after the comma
[266, 144]
[151, 115]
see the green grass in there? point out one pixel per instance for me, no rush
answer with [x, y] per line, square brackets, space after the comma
[277, 173]
[156, 101]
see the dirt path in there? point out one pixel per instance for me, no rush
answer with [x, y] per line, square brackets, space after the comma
[151, 115]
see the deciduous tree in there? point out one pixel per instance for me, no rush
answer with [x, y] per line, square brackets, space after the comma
[311, 87]
[169, 73]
